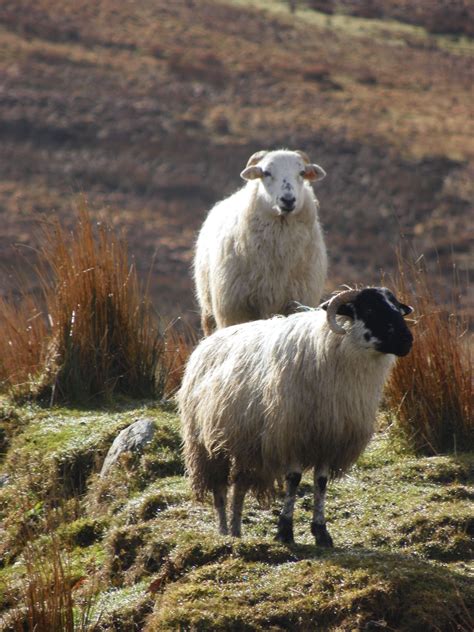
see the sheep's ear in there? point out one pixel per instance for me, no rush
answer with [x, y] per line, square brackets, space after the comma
[252, 173]
[314, 172]
[343, 310]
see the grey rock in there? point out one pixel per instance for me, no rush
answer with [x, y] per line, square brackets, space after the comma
[133, 438]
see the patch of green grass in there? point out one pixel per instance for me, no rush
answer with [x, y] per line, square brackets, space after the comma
[402, 528]
[75, 441]
[336, 591]
[445, 532]
[123, 609]
[52, 459]
[156, 499]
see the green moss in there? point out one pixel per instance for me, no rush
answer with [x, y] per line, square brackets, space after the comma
[123, 545]
[437, 469]
[340, 591]
[445, 532]
[82, 532]
[163, 456]
[76, 442]
[150, 504]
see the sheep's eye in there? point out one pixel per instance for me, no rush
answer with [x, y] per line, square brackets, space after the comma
[267, 174]
[302, 174]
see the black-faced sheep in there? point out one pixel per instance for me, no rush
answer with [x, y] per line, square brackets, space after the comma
[262, 248]
[272, 398]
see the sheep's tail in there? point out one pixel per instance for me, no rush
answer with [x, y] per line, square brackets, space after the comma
[206, 472]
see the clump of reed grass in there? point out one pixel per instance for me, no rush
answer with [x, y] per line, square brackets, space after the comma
[23, 331]
[105, 339]
[430, 390]
[93, 334]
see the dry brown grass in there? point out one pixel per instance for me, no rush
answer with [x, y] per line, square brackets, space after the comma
[105, 340]
[97, 335]
[431, 390]
[22, 334]
[180, 340]
[51, 595]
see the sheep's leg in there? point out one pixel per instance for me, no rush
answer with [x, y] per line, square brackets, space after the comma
[240, 489]
[318, 525]
[285, 521]
[220, 504]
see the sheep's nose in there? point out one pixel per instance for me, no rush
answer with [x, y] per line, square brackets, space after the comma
[287, 202]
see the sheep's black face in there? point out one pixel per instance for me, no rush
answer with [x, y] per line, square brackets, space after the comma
[378, 316]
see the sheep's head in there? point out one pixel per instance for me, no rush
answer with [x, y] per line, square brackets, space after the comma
[282, 176]
[377, 319]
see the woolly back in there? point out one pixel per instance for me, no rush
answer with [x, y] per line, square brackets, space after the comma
[284, 391]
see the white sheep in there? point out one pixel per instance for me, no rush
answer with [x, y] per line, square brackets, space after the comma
[262, 248]
[272, 398]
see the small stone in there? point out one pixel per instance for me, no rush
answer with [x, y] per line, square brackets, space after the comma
[130, 439]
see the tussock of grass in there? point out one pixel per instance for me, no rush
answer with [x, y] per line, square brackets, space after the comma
[446, 534]
[23, 331]
[124, 609]
[440, 469]
[340, 591]
[94, 336]
[104, 338]
[82, 532]
[431, 390]
[123, 545]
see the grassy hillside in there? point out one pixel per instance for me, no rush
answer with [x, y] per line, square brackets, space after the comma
[151, 108]
[134, 552]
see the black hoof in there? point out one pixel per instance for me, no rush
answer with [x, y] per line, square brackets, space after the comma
[322, 535]
[284, 539]
[285, 531]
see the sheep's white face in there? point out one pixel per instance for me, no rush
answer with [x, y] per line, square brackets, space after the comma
[282, 176]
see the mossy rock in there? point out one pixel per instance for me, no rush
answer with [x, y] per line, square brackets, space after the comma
[364, 591]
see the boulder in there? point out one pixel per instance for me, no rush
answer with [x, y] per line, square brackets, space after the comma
[133, 439]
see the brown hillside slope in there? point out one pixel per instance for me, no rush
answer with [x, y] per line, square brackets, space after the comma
[151, 108]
